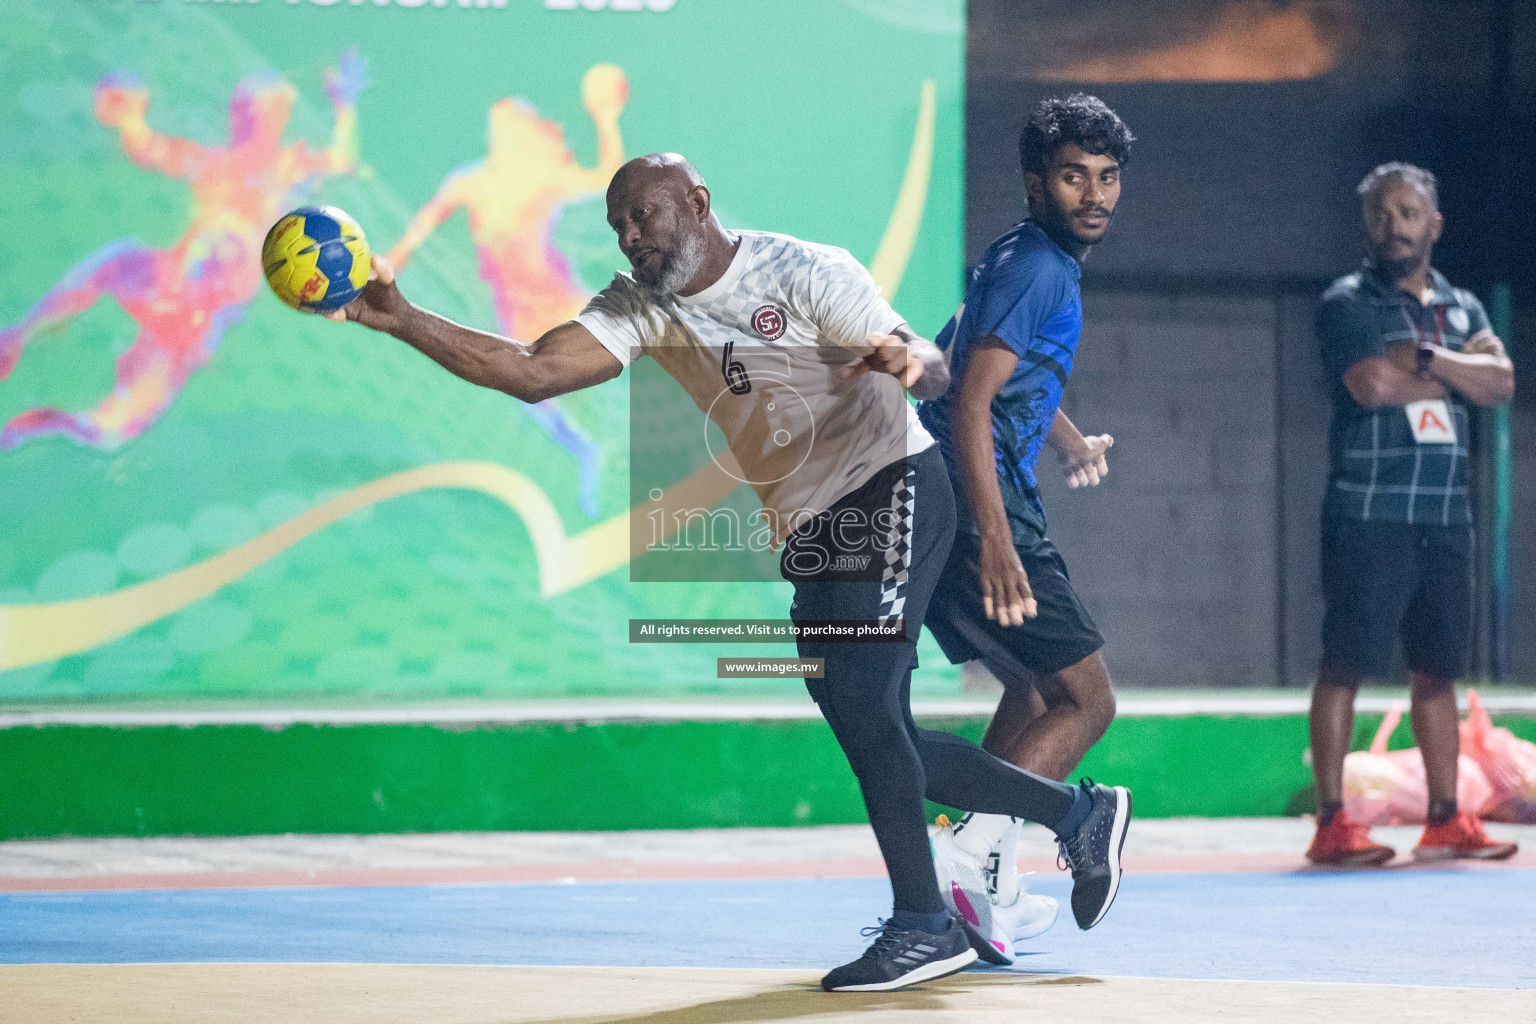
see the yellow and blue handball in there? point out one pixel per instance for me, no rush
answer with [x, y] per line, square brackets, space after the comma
[316, 258]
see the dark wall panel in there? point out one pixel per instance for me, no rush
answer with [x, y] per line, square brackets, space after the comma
[1303, 467]
[1175, 553]
[1256, 119]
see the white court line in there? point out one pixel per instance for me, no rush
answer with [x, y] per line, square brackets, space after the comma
[664, 711]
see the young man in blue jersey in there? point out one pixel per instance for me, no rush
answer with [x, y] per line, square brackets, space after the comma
[1004, 596]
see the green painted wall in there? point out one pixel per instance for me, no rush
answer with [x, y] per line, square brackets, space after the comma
[801, 115]
[230, 780]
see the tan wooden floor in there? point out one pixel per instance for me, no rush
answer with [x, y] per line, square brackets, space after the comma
[393, 994]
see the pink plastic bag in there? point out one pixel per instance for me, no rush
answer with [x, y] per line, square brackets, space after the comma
[1386, 787]
[1507, 761]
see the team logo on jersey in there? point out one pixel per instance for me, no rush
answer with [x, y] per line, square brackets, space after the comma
[769, 322]
[1458, 319]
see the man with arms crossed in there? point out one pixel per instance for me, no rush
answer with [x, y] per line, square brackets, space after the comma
[1404, 354]
[1004, 596]
[696, 292]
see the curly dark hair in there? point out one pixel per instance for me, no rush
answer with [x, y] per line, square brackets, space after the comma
[1080, 119]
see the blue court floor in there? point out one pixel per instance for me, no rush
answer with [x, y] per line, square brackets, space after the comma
[1452, 927]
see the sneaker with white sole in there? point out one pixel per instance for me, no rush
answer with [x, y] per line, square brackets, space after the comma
[1092, 851]
[902, 956]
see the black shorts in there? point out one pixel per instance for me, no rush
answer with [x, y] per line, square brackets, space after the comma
[1062, 633]
[1382, 581]
[875, 556]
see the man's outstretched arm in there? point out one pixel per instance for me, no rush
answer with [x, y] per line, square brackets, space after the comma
[566, 358]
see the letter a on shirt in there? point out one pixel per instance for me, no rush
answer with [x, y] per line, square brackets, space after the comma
[1431, 421]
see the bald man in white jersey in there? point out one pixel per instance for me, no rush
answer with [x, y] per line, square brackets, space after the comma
[873, 481]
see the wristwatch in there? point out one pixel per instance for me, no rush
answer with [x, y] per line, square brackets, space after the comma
[1423, 360]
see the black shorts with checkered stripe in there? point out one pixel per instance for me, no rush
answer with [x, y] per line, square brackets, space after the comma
[876, 554]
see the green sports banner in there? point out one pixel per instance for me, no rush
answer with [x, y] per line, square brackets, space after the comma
[207, 496]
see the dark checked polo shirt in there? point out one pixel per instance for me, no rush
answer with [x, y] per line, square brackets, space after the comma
[1376, 470]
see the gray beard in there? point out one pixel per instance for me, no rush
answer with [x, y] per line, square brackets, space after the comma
[677, 269]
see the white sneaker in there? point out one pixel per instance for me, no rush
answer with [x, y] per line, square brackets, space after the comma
[1030, 915]
[1027, 916]
[964, 885]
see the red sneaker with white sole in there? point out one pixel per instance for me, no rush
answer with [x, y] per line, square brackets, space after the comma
[1461, 838]
[1347, 843]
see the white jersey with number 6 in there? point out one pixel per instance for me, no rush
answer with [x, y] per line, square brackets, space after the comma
[763, 353]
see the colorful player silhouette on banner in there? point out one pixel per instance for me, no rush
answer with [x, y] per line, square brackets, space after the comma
[185, 297]
[514, 198]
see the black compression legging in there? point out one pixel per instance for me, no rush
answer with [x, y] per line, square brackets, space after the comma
[865, 695]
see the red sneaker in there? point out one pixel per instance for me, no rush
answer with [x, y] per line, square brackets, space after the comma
[1461, 837]
[1347, 843]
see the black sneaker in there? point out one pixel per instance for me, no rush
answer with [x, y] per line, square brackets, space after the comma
[1093, 852]
[900, 956]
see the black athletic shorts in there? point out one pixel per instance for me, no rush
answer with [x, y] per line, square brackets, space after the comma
[1382, 581]
[1061, 634]
[875, 556]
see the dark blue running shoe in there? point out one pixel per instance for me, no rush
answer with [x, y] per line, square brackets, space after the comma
[1093, 852]
[902, 956]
